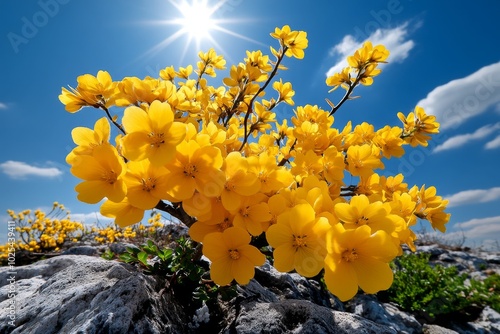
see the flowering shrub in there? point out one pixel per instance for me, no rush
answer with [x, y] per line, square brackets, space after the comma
[112, 233]
[217, 159]
[41, 232]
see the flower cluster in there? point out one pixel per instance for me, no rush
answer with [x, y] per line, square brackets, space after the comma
[41, 232]
[216, 158]
[113, 233]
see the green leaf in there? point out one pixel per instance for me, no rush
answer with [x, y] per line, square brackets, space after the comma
[143, 257]
[126, 257]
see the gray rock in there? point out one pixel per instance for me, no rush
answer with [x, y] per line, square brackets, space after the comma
[87, 294]
[434, 250]
[81, 250]
[120, 247]
[300, 316]
[367, 306]
[82, 294]
[294, 286]
[435, 329]
[493, 258]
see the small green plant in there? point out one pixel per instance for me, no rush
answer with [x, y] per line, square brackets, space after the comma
[108, 255]
[486, 292]
[438, 291]
[187, 275]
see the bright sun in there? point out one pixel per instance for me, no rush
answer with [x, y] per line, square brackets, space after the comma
[196, 21]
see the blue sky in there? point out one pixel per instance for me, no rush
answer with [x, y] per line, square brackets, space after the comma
[444, 57]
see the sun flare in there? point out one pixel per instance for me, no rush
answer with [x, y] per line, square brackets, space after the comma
[197, 19]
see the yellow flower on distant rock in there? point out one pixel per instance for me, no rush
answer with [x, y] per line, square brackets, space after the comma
[231, 256]
[358, 258]
[151, 134]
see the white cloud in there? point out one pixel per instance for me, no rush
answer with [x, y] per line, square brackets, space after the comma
[3, 106]
[473, 196]
[495, 143]
[393, 39]
[458, 100]
[481, 233]
[460, 140]
[20, 170]
[484, 229]
[92, 218]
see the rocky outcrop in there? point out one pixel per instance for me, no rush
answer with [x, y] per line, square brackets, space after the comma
[81, 293]
[84, 294]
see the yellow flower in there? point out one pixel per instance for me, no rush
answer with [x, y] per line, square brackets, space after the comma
[285, 91]
[358, 258]
[306, 164]
[146, 184]
[101, 86]
[333, 165]
[151, 134]
[195, 168]
[87, 139]
[252, 214]
[200, 229]
[184, 72]
[75, 100]
[239, 181]
[368, 54]
[342, 78]
[231, 256]
[417, 126]
[362, 134]
[262, 119]
[102, 172]
[314, 115]
[430, 207]
[361, 212]
[124, 213]
[257, 59]
[211, 60]
[237, 77]
[363, 159]
[91, 91]
[168, 73]
[298, 240]
[294, 41]
[271, 177]
[134, 91]
[390, 141]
